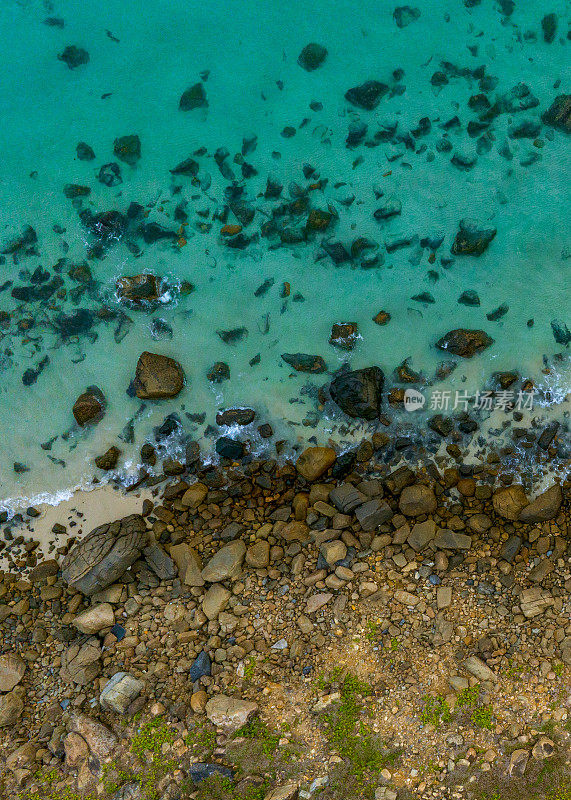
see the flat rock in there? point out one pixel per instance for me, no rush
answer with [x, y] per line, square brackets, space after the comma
[558, 115]
[304, 362]
[194, 495]
[105, 554]
[189, 564]
[422, 534]
[215, 600]
[535, 601]
[373, 513]
[12, 668]
[226, 563]
[94, 619]
[229, 713]
[472, 239]
[120, 691]
[545, 506]
[476, 667]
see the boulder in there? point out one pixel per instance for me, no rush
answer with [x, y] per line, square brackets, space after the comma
[235, 416]
[74, 56]
[105, 554]
[194, 495]
[422, 533]
[302, 362]
[258, 554]
[76, 750]
[367, 95]
[94, 619]
[404, 15]
[226, 563]
[416, 500]
[472, 239]
[120, 691]
[157, 377]
[11, 707]
[545, 506]
[229, 713]
[359, 392]
[479, 669]
[100, 739]
[333, 552]
[128, 149]
[139, 289]
[312, 56]
[89, 407]
[464, 342]
[558, 115]
[344, 335]
[287, 791]
[229, 448]
[193, 97]
[108, 460]
[215, 600]
[12, 668]
[161, 564]
[81, 663]
[509, 501]
[188, 563]
[315, 461]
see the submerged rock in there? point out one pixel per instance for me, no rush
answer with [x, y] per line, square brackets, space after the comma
[404, 15]
[219, 372]
[89, 406]
[229, 448]
[128, 149]
[110, 174]
[558, 115]
[561, 332]
[84, 152]
[465, 342]
[26, 239]
[472, 239]
[367, 95]
[359, 392]
[157, 377]
[193, 97]
[74, 324]
[303, 362]
[74, 56]
[312, 56]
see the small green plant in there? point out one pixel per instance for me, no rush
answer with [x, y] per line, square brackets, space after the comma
[469, 697]
[147, 744]
[259, 732]
[483, 717]
[558, 669]
[250, 668]
[435, 711]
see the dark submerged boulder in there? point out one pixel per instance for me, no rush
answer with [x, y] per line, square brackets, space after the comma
[359, 392]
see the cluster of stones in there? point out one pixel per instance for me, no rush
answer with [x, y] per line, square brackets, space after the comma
[268, 561]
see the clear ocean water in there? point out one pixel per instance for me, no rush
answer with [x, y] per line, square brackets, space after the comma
[449, 138]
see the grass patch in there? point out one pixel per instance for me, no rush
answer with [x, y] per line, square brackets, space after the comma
[435, 711]
[363, 752]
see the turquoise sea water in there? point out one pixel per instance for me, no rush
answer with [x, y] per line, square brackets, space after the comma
[429, 145]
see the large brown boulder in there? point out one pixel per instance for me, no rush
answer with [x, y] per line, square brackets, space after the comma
[105, 554]
[157, 376]
[545, 506]
[509, 501]
[465, 342]
[89, 406]
[416, 500]
[12, 668]
[315, 461]
[139, 289]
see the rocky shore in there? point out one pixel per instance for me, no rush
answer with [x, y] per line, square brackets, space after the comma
[327, 627]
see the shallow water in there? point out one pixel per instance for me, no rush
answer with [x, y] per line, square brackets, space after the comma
[140, 62]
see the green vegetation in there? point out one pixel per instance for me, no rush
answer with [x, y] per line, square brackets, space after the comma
[363, 752]
[482, 716]
[435, 711]
[258, 732]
